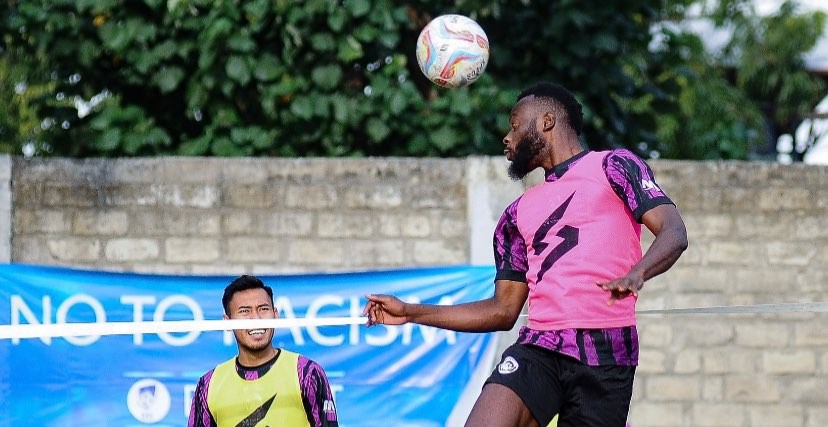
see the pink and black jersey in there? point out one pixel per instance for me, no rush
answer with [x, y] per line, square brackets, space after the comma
[578, 228]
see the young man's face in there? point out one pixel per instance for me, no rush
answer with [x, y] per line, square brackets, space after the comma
[252, 304]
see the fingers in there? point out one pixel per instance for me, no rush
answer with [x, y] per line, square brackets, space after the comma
[373, 309]
[617, 291]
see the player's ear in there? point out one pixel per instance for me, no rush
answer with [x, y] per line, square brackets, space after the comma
[225, 317]
[276, 310]
[548, 121]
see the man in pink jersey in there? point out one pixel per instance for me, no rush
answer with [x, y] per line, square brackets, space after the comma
[572, 247]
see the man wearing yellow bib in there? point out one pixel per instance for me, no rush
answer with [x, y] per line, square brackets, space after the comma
[263, 385]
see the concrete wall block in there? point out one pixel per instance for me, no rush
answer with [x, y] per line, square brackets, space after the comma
[250, 195]
[815, 417]
[191, 250]
[706, 225]
[249, 170]
[129, 195]
[129, 249]
[807, 389]
[439, 252]
[752, 388]
[100, 223]
[652, 361]
[41, 222]
[754, 280]
[737, 201]
[762, 334]
[312, 197]
[33, 249]
[785, 199]
[416, 226]
[691, 279]
[688, 362]
[791, 253]
[813, 280]
[358, 224]
[373, 197]
[290, 224]
[447, 195]
[389, 225]
[253, 249]
[810, 228]
[366, 253]
[764, 226]
[195, 196]
[673, 388]
[810, 334]
[713, 388]
[736, 253]
[776, 415]
[175, 223]
[703, 332]
[75, 249]
[318, 252]
[235, 222]
[27, 195]
[729, 360]
[67, 196]
[136, 170]
[453, 226]
[195, 170]
[704, 414]
[655, 332]
[656, 415]
[789, 362]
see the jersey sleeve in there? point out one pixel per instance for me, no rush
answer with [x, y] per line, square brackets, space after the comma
[634, 182]
[200, 415]
[511, 261]
[316, 394]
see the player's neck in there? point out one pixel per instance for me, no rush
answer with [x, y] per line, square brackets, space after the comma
[256, 358]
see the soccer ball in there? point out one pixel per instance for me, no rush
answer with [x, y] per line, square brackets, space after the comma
[452, 51]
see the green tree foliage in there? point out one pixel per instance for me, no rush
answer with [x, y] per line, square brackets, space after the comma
[339, 78]
[768, 57]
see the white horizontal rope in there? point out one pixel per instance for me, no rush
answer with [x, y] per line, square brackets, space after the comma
[154, 327]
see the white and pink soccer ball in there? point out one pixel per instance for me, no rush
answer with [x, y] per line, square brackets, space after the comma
[452, 51]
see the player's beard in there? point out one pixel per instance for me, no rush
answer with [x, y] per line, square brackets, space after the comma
[526, 150]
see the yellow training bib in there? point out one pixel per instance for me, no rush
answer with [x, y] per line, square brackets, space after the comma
[273, 400]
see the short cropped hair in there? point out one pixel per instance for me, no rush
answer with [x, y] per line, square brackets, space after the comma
[557, 97]
[243, 283]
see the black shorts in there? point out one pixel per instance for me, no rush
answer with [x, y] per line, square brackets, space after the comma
[551, 383]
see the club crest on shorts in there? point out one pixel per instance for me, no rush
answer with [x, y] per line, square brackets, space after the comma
[508, 365]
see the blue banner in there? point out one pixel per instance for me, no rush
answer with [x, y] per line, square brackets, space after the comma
[406, 375]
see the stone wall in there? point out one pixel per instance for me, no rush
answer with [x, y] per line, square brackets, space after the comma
[758, 235]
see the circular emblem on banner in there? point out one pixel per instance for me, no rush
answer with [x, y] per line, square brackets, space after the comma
[508, 365]
[148, 401]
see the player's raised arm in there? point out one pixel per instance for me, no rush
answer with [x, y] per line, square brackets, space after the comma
[498, 313]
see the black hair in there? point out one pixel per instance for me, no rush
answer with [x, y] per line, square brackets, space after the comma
[556, 96]
[243, 283]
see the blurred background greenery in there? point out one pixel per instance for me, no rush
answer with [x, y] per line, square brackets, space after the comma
[118, 78]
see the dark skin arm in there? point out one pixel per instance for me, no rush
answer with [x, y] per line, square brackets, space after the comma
[498, 313]
[665, 222]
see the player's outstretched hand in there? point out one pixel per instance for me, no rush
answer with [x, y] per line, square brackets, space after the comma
[384, 310]
[622, 287]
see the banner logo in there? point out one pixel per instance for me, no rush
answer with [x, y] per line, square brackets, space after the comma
[148, 401]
